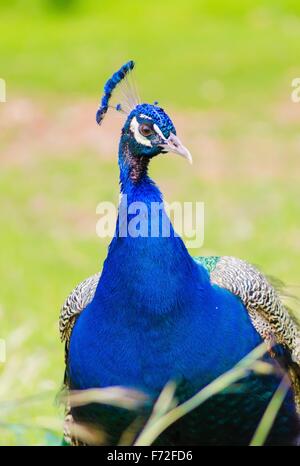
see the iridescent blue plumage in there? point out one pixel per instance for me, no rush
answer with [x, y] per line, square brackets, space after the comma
[156, 316]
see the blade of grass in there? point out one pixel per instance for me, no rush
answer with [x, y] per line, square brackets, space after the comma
[270, 414]
[114, 396]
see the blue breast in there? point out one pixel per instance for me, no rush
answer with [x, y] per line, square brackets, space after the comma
[156, 317]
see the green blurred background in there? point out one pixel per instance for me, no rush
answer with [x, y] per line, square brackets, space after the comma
[222, 69]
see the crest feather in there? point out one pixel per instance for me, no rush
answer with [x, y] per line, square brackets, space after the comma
[130, 100]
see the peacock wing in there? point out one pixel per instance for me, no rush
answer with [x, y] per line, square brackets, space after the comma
[75, 303]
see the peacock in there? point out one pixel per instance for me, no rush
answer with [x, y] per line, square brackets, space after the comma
[155, 313]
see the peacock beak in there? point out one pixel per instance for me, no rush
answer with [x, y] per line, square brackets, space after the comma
[173, 144]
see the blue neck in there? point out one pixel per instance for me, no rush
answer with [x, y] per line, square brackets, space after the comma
[156, 271]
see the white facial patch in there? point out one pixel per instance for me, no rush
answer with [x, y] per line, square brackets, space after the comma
[158, 131]
[134, 127]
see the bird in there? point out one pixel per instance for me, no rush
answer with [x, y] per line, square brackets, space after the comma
[156, 314]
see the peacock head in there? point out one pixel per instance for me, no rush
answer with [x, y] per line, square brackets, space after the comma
[148, 130]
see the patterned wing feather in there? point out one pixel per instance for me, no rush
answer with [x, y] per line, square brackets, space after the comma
[80, 297]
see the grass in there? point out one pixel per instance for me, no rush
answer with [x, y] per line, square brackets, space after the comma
[224, 69]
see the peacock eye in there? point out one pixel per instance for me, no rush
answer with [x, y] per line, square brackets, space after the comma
[146, 130]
